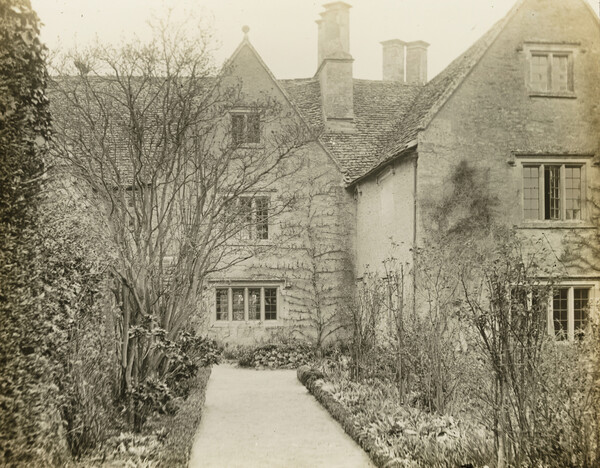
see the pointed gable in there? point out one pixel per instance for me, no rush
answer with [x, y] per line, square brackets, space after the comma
[432, 97]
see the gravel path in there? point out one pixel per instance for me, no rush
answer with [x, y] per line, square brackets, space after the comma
[268, 419]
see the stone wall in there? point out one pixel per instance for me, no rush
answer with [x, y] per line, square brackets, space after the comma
[384, 217]
[492, 120]
[308, 255]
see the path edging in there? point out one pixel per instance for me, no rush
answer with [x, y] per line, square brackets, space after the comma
[312, 379]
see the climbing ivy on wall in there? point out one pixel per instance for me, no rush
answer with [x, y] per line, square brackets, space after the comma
[25, 412]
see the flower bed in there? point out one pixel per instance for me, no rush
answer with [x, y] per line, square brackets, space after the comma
[392, 434]
[166, 440]
[277, 356]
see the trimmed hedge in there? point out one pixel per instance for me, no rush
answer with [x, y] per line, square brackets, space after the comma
[182, 427]
[312, 379]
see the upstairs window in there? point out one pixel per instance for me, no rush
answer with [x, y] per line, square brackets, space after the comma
[248, 217]
[551, 73]
[553, 191]
[245, 127]
[254, 213]
[550, 70]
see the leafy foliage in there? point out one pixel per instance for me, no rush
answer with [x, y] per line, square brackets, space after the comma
[278, 356]
[391, 433]
[29, 421]
[184, 357]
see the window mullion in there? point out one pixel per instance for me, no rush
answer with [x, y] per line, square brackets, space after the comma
[246, 304]
[562, 187]
[229, 304]
[583, 193]
[541, 192]
[571, 314]
[550, 310]
[262, 304]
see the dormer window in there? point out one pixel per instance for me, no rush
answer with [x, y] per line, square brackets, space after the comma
[550, 70]
[245, 127]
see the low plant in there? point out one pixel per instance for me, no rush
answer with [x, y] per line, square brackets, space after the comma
[289, 355]
[165, 439]
[392, 433]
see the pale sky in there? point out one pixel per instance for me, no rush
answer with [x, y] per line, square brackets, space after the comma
[284, 31]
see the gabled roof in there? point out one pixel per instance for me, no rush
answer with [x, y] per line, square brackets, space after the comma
[377, 106]
[247, 44]
[435, 93]
[388, 115]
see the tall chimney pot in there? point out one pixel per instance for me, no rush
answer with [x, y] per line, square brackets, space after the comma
[416, 62]
[334, 31]
[393, 60]
[335, 67]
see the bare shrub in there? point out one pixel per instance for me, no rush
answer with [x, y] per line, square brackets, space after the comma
[363, 319]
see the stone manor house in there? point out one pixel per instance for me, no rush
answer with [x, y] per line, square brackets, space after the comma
[522, 104]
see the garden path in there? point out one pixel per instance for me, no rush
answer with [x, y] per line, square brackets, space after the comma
[268, 419]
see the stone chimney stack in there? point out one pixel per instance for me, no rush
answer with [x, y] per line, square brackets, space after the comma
[335, 67]
[416, 62]
[393, 60]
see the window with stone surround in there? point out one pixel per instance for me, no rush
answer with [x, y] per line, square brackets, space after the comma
[569, 311]
[553, 191]
[254, 212]
[564, 309]
[246, 303]
[550, 69]
[249, 216]
[245, 127]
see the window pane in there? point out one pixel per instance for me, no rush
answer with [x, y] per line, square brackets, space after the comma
[539, 306]
[246, 217]
[253, 128]
[573, 192]
[262, 217]
[270, 304]
[238, 304]
[560, 73]
[531, 192]
[518, 298]
[237, 128]
[580, 306]
[254, 304]
[539, 72]
[552, 192]
[222, 304]
[560, 312]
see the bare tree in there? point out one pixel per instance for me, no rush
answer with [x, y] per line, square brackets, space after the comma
[147, 132]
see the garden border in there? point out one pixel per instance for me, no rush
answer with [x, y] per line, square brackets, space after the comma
[312, 379]
[184, 425]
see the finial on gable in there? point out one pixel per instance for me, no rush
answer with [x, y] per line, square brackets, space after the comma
[245, 30]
